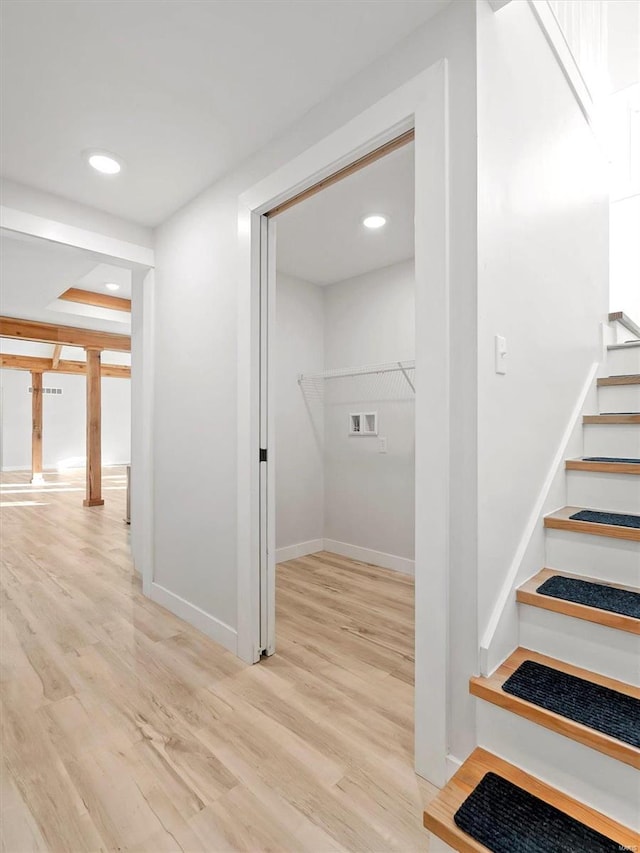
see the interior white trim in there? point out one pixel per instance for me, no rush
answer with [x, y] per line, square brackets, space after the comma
[367, 555]
[453, 765]
[421, 102]
[70, 235]
[302, 549]
[558, 44]
[8, 468]
[142, 429]
[205, 622]
[493, 647]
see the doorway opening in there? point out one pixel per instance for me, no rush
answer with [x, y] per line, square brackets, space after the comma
[73, 432]
[421, 103]
[338, 481]
[66, 368]
[339, 517]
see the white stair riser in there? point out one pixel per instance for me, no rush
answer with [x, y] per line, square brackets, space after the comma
[599, 557]
[623, 361]
[618, 398]
[621, 440]
[607, 785]
[589, 645]
[615, 492]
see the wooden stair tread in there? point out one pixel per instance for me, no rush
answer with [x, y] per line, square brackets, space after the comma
[611, 419]
[603, 467]
[621, 379]
[490, 689]
[561, 520]
[438, 816]
[527, 594]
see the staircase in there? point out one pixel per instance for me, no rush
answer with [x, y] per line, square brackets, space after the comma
[551, 732]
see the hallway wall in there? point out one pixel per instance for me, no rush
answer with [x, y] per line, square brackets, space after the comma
[625, 257]
[195, 400]
[542, 284]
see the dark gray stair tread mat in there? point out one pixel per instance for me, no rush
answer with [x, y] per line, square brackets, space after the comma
[604, 597]
[600, 708]
[507, 819]
[611, 459]
[618, 518]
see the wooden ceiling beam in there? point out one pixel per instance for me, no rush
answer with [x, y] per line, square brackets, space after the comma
[75, 368]
[51, 333]
[98, 300]
[57, 351]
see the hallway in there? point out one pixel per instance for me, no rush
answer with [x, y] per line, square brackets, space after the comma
[124, 728]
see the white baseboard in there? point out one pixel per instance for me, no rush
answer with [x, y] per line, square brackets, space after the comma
[293, 552]
[355, 552]
[366, 555]
[209, 625]
[51, 469]
[453, 765]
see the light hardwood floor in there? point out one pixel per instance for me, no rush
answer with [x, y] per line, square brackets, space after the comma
[125, 729]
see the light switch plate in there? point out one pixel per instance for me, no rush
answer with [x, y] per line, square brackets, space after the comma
[501, 354]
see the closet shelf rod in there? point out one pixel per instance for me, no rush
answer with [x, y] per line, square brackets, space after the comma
[368, 369]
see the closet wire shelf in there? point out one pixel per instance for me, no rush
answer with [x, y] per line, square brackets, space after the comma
[312, 384]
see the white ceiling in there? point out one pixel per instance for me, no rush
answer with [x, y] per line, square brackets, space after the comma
[34, 272]
[182, 90]
[322, 239]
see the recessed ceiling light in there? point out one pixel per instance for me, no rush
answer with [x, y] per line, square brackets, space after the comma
[374, 221]
[103, 162]
[111, 285]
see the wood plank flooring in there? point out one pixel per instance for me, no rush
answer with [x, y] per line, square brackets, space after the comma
[125, 729]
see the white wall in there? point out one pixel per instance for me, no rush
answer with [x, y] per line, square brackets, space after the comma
[196, 350]
[299, 420]
[542, 280]
[370, 496]
[196, 273]
[63, 420]
[330, 485]
[625, 257]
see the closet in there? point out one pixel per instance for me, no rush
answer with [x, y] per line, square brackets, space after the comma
[345, 371]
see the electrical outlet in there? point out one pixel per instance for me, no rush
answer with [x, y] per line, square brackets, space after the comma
[382, 444]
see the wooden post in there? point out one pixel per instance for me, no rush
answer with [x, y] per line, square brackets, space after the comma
[36, 428]
[94, 425]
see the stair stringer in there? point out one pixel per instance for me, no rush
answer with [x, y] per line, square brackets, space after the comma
[500, 636]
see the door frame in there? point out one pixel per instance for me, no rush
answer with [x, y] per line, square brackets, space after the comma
[141, 261]
[422, 104]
